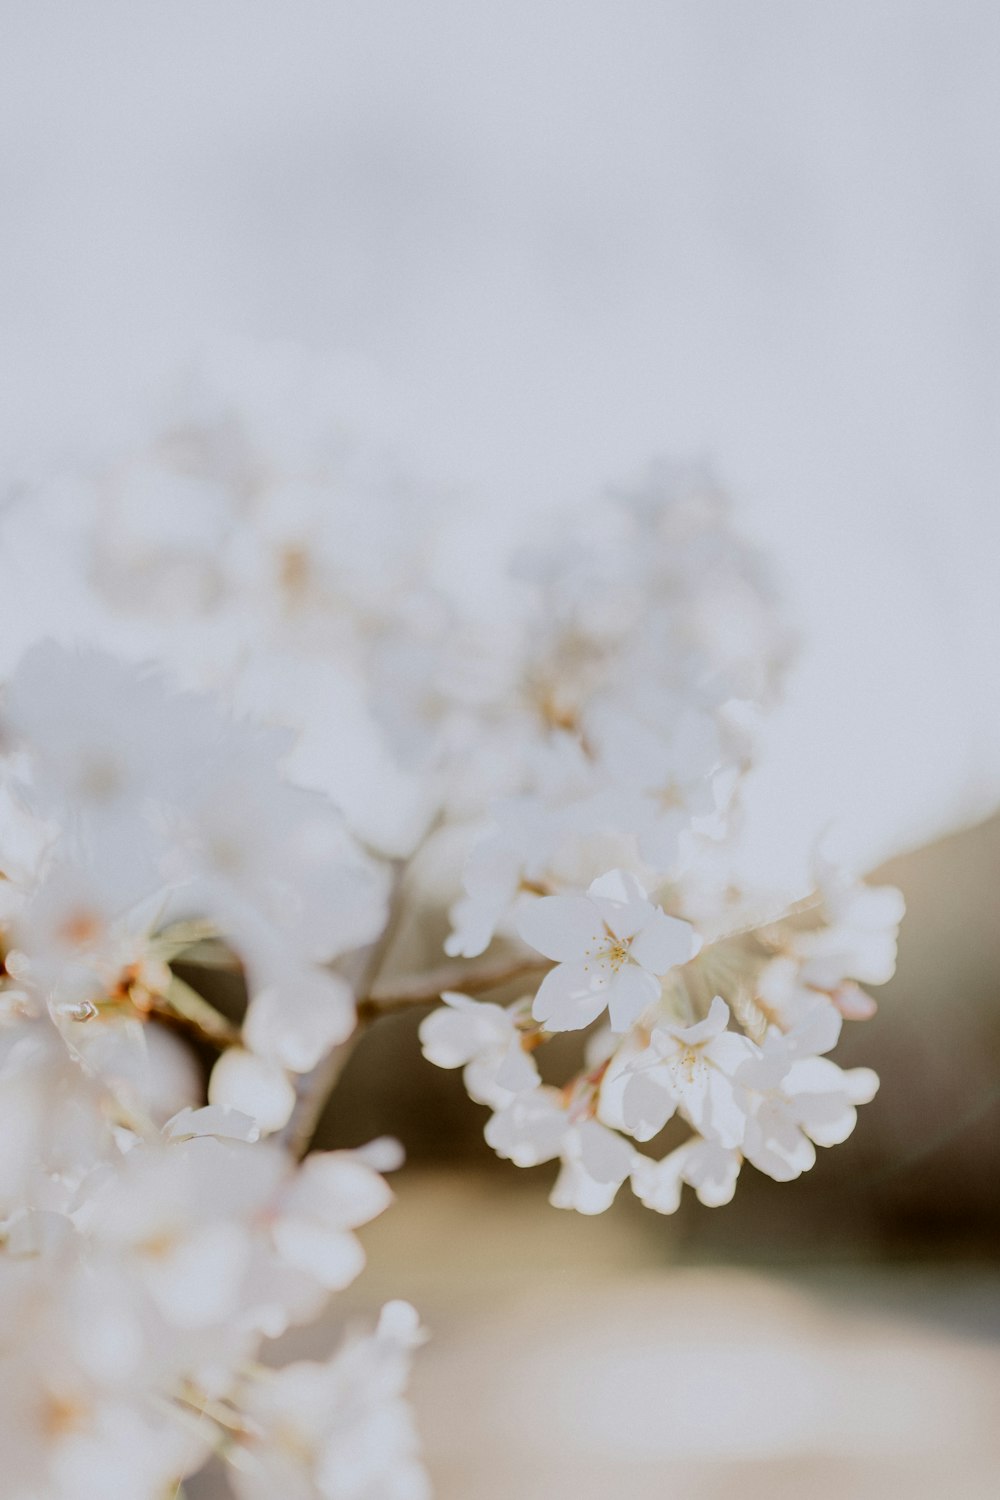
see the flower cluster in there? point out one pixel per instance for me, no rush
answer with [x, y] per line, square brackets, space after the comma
[138, 812]
[765, 1093]
[299, 719]
[143, 1268]
[151, 1242]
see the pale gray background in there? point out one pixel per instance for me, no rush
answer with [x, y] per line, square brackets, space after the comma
[566, 235]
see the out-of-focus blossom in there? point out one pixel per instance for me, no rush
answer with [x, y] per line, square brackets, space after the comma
[340, 1430]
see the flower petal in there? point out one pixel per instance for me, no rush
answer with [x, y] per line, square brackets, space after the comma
[663, 942]
[631, 991]
[657, 1184]
[711, 1170]
[621, 902]
[647, 1104]
[603, 1154]
[571, 996]
[560, 927]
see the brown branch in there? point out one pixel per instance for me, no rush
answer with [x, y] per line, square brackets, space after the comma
[183, 1009]
[427, 988]
[313, 1089]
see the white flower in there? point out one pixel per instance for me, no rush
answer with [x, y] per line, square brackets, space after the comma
[295, 1020]
[103, 737]
[335, 1431]
[785, 999]
[859, 938]
[611, 948]
[856, 941]
[690, 1068]
[332, 1194]
[274, 864]
[796, 1099]
[541, 1125]
[711, 1169]
[254, 1086]
[515, 849]
[483, 1039]
[663, 762]
[529, 1129]
[179, 1217]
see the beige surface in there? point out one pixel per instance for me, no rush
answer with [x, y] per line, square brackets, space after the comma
[570, 1358]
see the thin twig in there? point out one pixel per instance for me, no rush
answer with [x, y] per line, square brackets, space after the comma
[313, 1089]
[750, 922]
[182, 1006]
[426, 988]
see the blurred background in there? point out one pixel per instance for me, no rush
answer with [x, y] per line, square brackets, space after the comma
[554, 239]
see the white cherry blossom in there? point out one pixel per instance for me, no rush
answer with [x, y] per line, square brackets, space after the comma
[611, 948]
[690, 1068]
[541, 1125]
[340, 1430]
[252, 1085]
[332, 1194]
[710, 1168]
[664, 763]
[796, 1101]
[858, 940]
[293, 712]
[485, 1041]
[297, 1019]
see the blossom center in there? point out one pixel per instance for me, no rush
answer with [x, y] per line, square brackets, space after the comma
[689, 1063]
[616, 954]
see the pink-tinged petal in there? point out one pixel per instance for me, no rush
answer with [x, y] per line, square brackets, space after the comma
[854, 1003]
[561, 927]
[571, 996]
[621, 902]
[860, 1084]
[630, 992]
[664, 942]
